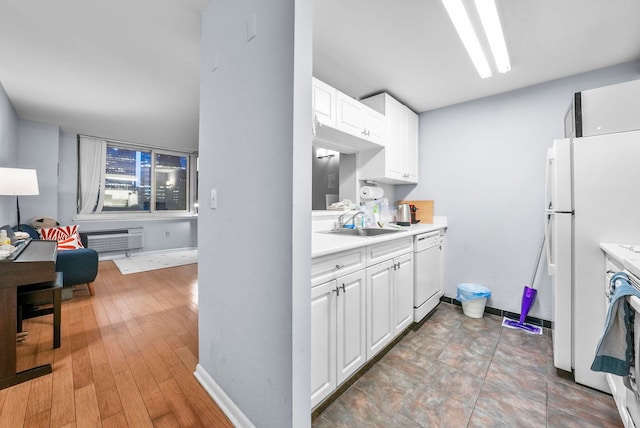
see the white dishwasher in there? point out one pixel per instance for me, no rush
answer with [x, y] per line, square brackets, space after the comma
[427, 273]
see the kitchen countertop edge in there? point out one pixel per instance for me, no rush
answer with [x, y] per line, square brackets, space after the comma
[323, 244]
[623, 255]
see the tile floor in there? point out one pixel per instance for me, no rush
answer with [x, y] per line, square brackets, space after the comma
[457, 371]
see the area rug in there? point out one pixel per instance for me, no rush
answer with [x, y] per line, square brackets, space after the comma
[156, 260]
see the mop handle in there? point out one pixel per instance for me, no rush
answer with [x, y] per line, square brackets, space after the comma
[535, 268]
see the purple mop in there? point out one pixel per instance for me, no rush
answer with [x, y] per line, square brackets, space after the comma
[528, 297]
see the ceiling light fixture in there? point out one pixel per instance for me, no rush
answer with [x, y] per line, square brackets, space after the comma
[491, 23]
[461, 21]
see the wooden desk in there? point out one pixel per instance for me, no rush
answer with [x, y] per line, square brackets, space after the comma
[34, 263]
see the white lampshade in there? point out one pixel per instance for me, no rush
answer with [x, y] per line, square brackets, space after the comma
[18, 181]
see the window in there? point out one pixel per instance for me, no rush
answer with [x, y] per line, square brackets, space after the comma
[125, 178]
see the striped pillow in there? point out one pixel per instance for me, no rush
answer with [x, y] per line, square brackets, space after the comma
[67, 236]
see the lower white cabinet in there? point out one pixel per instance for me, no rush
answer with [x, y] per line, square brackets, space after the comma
[389, 301]
[403, 293]
[338, 328]
[355, 315]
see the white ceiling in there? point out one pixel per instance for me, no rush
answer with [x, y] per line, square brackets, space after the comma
[128, 69]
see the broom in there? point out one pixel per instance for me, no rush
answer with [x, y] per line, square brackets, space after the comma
[528, 297]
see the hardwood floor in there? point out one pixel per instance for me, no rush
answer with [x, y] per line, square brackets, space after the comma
[127, 358]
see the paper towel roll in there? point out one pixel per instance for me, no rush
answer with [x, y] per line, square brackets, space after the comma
[371, 192]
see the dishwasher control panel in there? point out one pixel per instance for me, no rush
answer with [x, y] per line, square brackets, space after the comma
[427, 240]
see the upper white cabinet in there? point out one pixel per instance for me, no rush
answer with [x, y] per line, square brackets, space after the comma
[358, 119]
[397, 163]
[343, 123]
[324, 103]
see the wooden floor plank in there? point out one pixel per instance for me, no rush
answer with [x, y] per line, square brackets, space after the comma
[116, 421]
[126, 358]
[40, 395]
[87, 413]
[15, 405]
[181, 407]
[39, 420]
[135, 409]
[153, 399]
[62, 398]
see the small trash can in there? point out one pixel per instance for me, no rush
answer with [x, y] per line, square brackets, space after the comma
[473, 298]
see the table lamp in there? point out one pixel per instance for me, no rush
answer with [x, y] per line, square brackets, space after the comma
[18, 182]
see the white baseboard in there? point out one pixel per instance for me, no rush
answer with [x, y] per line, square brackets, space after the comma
[225, 403]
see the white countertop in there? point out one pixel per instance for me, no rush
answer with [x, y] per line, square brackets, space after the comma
[627, 255]
[323, 244]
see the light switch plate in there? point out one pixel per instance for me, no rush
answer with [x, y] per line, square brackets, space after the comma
[214, 199]
[331, 181]
[251, 27]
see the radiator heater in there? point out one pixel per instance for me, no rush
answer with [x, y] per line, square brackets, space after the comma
[116, 240]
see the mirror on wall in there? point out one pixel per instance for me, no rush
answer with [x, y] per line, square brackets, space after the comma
[326, 177]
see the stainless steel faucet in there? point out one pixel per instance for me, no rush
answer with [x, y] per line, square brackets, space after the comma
[342, 223]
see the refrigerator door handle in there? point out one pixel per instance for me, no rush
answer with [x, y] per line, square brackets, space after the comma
[548, 191]
[548, 244]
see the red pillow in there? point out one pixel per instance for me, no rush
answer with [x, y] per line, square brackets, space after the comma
[67, 236]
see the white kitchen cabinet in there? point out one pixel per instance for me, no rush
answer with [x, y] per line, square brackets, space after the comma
[397, 163]
[323, 341]
[351, 324]
[332, 266]
[358, 120]
[389, 301]
[324, 103]
[379, 307]
[403, 293]
[343, 123]
[338, 328]
[411, 138]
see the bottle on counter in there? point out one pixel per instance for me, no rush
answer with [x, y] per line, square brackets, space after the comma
[4, 239]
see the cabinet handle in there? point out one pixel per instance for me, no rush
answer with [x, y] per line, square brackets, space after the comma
[398, 265]
[336, 290]
[339, 266]
[344, 291]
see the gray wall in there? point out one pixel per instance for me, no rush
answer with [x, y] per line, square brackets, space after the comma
[254, 249]
[38, 149]
[9, 125]
[483, 163]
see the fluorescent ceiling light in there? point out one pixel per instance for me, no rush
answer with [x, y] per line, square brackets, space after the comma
[491, 23]
[461, 21]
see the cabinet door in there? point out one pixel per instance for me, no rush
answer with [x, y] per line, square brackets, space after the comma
[324, 103]
[394, 143]
[323, 339]
[351, 324]
[403, 292]
[348, 117]
[374, 125]
[379, 307]
[411, 145]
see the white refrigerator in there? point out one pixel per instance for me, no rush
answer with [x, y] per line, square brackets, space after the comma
[593, 196]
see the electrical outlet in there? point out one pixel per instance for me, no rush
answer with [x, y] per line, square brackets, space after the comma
[167, 233]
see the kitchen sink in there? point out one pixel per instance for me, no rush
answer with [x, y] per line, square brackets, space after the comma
[367, 231]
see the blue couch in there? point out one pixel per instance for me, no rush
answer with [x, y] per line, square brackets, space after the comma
[77, 266]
